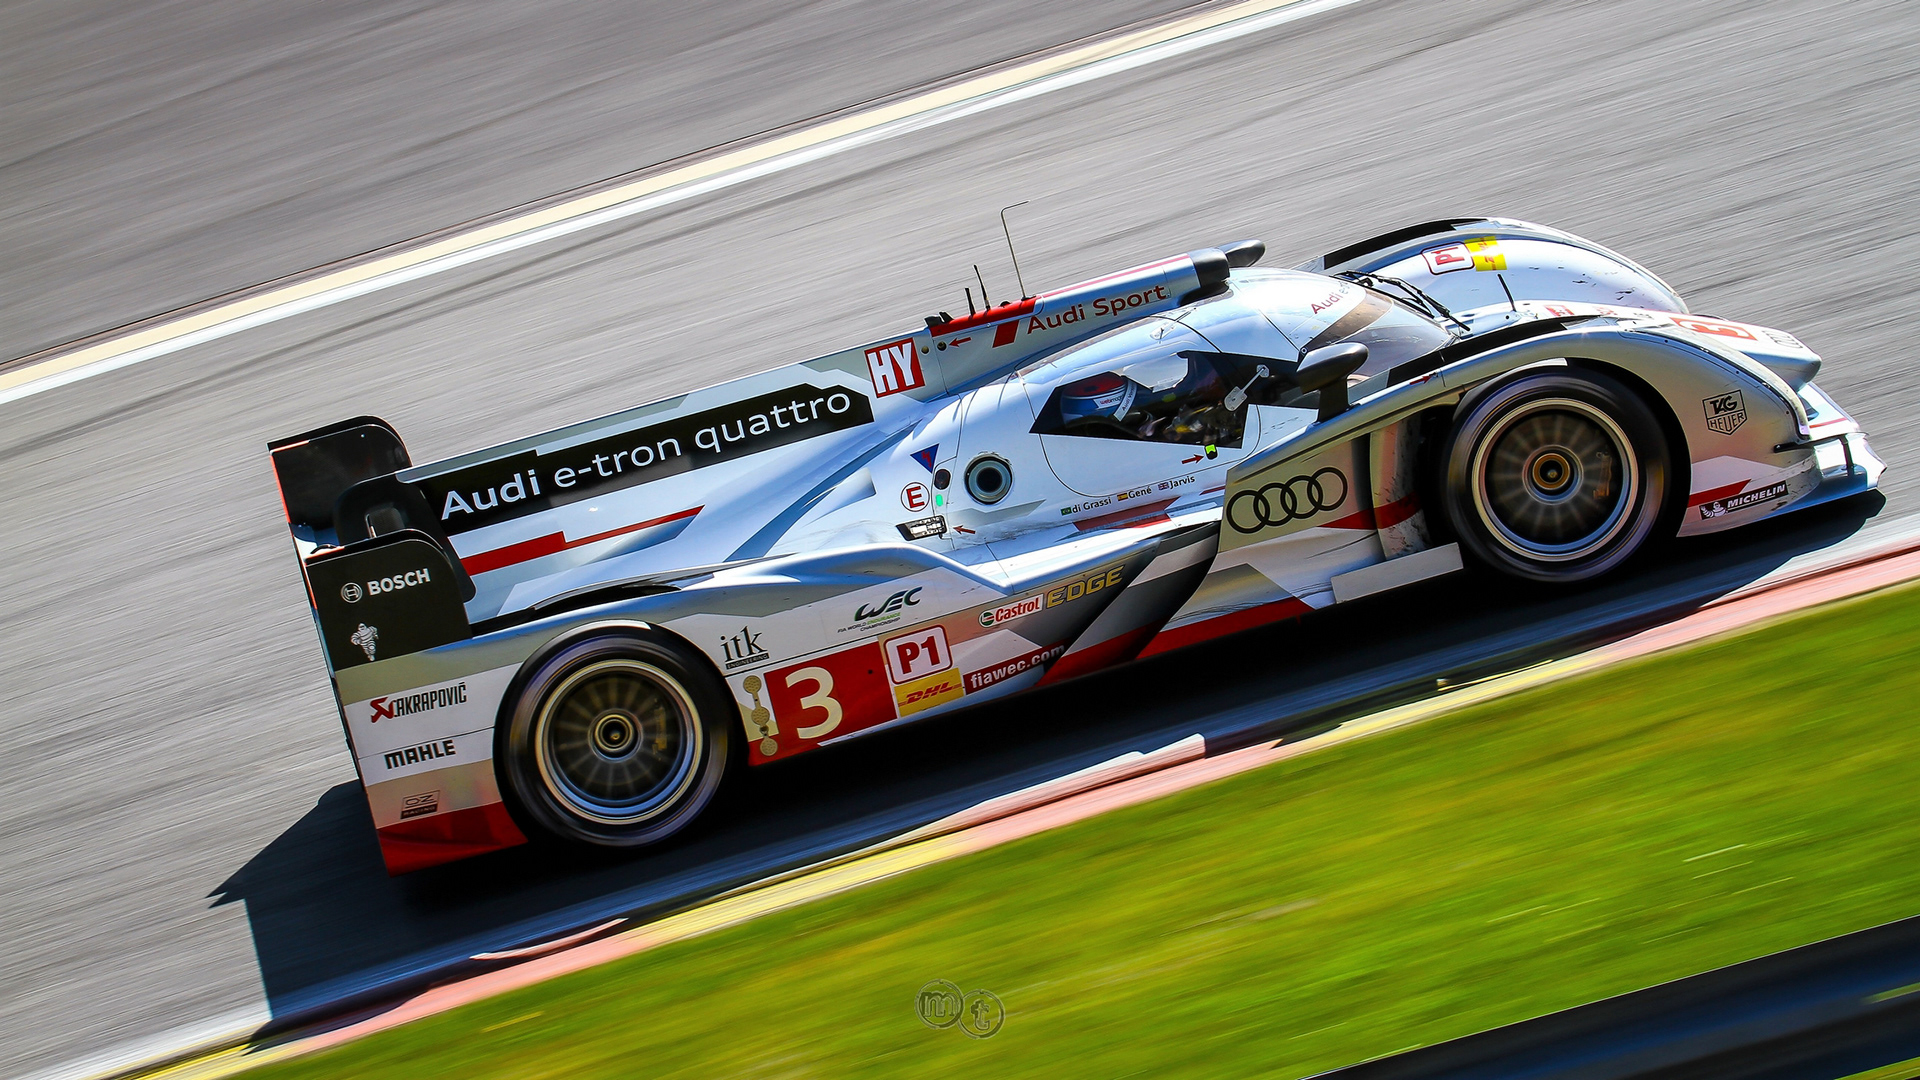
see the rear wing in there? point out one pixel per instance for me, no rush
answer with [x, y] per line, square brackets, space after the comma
[388, 586]
[715, 476]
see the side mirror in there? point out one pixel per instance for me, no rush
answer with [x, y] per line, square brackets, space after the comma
[1326, 370]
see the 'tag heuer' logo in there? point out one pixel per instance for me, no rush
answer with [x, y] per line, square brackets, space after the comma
[1727, 412]
[895, 368]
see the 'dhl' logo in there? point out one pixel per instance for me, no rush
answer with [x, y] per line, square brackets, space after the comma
[1726, 413]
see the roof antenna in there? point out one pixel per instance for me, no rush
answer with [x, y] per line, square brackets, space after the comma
[970, 309]
[984, 302]
[1016, 259]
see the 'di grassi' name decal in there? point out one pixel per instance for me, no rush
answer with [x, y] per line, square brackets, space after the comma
[528, 482]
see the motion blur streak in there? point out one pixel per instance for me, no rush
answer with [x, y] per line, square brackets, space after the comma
[1123, 52]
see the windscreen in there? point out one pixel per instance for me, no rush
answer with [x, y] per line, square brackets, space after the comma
[1392, 332]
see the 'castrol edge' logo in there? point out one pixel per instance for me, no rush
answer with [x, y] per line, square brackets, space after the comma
[1104, 578]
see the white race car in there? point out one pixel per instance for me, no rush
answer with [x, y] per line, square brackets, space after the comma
[580, 634]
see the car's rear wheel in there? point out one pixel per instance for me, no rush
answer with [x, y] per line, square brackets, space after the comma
[617, 740]
[1556, 475]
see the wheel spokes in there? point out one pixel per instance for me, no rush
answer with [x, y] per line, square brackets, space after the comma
[1549, 482]
[617, 741]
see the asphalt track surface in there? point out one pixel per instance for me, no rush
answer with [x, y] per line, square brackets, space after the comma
[182, 842]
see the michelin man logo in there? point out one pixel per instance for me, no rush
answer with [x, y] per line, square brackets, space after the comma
[365, 637]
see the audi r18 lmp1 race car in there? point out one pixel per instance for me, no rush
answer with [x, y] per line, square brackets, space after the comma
[578, 635]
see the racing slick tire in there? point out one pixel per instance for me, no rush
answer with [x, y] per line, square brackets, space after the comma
[618, 739]
[1556, 475]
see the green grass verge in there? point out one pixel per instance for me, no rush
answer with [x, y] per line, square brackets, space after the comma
[1577, 841]
[1900, 1070]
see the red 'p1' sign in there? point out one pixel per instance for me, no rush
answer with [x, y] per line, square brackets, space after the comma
[918, 654]
[1444, 259]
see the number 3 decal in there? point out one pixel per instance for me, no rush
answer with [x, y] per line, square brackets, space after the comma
[821, 698]
[829, 696]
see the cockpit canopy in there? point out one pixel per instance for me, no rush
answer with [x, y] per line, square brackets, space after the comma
[1188, 377]
[1184, 397]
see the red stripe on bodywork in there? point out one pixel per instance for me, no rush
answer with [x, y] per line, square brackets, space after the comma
[515, 553]
[1711, 494]
[1221, 625]
[554, 543]
[1395, 512]
[1009, 310]
[1115, 650]
[1004, 333]
[1143, 510]
[1380, 517]
[442, 838]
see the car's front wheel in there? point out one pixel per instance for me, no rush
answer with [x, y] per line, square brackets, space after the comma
[1556, 475]
[617, 740]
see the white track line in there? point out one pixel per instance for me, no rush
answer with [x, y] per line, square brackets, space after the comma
[1096, 59]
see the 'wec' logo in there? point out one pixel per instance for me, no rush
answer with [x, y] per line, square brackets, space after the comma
[901, 599]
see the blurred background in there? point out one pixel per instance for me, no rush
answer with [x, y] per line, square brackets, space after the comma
[183, 849]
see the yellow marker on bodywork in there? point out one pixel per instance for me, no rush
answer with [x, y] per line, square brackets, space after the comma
[1486, 254]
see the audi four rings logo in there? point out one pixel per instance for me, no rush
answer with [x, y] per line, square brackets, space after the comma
[1294, 500]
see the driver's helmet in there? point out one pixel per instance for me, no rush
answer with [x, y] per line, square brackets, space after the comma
[1106, 396]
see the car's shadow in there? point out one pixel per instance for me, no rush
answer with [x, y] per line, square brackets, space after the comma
[328, 922]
